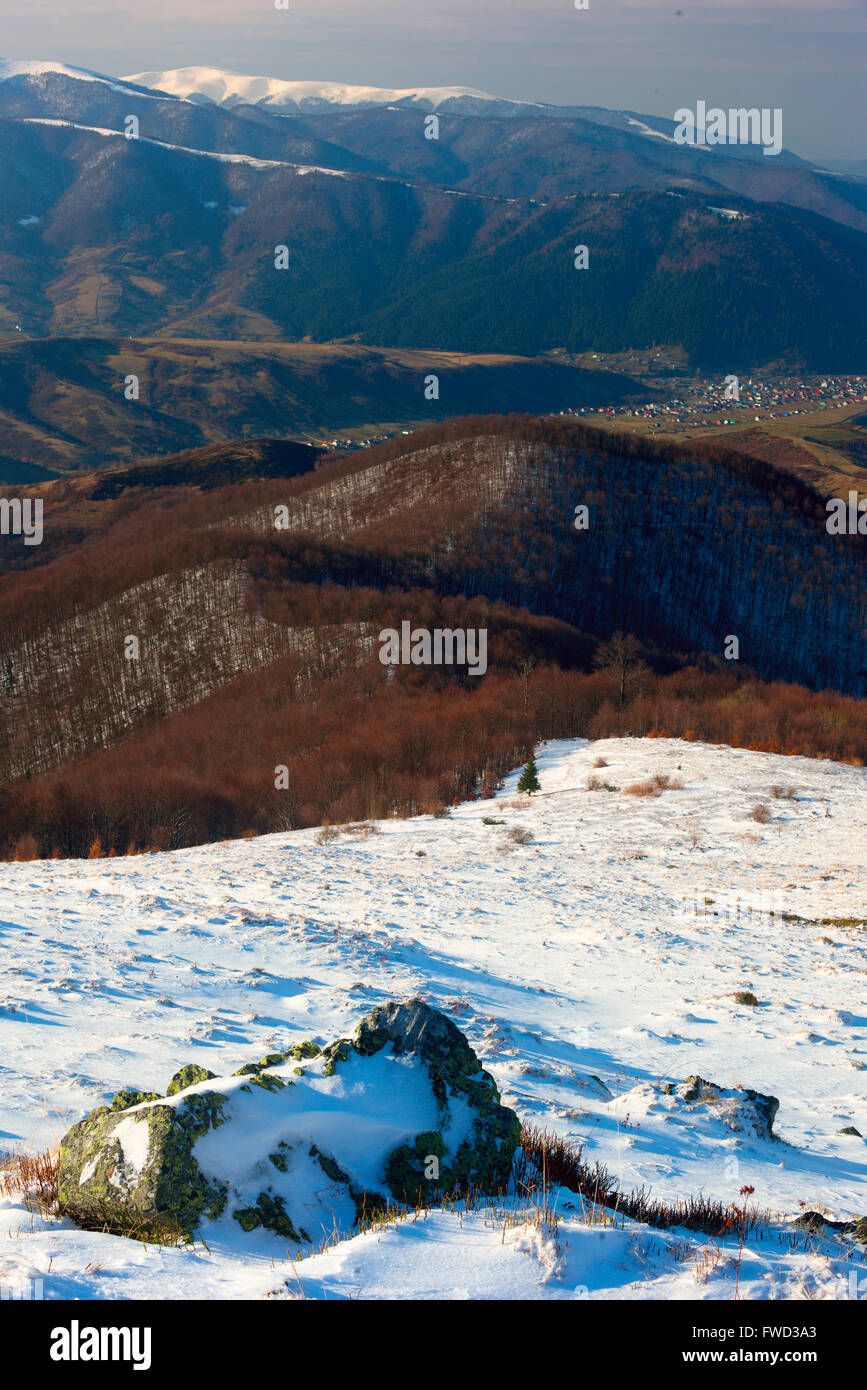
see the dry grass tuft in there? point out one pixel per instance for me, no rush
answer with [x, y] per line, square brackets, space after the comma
[547, 1160]
[595, 785]
[653, 786]
[31, 1176]
[641, 789]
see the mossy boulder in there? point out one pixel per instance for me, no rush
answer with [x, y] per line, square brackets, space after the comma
[400, 1113]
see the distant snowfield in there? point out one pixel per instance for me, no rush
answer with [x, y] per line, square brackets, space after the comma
[588, 969]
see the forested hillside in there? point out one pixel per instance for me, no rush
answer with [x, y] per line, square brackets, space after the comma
[255, 610]
[116, 238]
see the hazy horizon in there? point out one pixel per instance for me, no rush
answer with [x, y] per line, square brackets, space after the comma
[635, 54]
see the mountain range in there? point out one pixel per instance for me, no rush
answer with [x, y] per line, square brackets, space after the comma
[465, 243]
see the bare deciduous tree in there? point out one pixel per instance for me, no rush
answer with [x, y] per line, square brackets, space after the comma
[620, 658]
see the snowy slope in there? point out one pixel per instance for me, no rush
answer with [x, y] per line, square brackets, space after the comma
[588, 968]
[231, 88]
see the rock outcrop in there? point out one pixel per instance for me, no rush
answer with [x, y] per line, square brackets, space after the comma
[298, 1141]
[742, 1109]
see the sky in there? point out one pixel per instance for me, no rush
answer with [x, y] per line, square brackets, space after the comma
[652, 56]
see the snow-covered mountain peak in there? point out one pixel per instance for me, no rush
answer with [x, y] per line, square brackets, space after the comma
[34, 67]
[231, 89]
[38, 67]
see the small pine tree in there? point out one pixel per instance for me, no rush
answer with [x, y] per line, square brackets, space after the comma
[529, 779]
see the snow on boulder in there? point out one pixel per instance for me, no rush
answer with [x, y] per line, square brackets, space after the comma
[742, 1110]
[299, 1142]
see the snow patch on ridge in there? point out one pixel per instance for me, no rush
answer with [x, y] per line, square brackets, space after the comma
[250, 160]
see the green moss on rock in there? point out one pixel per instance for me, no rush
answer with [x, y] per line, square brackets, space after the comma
[330, 1167]
[337, 1052]
[405, 1169]
[124, 1100]
[260, 1075]
[269, 1212]
[279, 1159]
[188, 1075]
[99, 1190]
[269, 1082]
[248, 1218]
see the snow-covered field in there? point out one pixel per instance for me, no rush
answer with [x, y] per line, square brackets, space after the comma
[588, 968]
